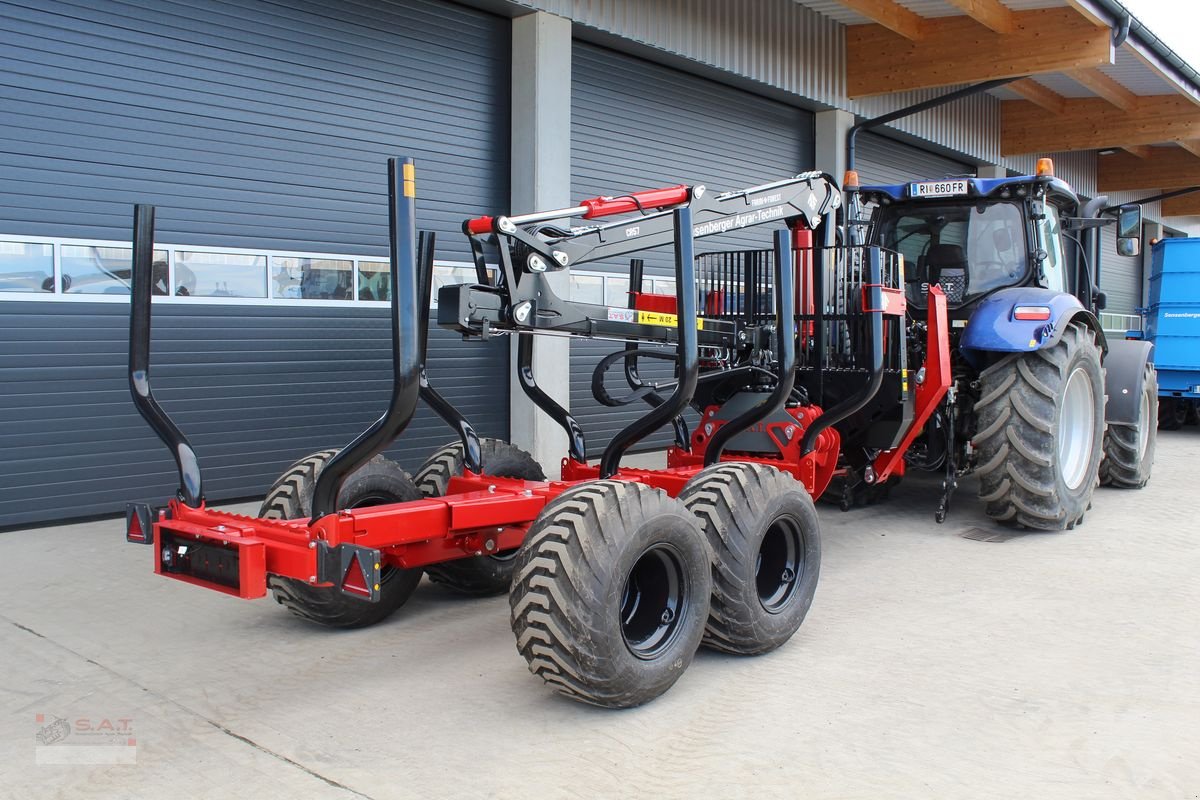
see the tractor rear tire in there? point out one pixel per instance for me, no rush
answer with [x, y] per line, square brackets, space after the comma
[1041, 433]
[765, 538]
[1129, 449]
[611, 593]
[377, 482]
[476, 576]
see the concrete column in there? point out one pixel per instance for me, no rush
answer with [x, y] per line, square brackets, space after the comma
[831, 129]
[541, 179]
[991, 171]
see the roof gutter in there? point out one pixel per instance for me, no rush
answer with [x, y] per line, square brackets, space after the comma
[1155, 50]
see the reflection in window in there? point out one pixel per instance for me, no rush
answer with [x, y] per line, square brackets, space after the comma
[313, 278]
[450, 276]
[106, 270]
[616, 291]
[220, 275]
[374, 280]
[587, 289]
[26, 267]
[662, 286]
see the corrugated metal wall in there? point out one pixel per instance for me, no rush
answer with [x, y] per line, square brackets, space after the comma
[637, 125]
[880, 160]
[251, 124]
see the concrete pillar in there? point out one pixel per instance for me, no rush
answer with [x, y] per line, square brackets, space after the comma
[991, 171]
[541, 179]
[830, 147]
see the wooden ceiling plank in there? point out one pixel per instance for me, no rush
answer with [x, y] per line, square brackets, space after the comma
[1187, 205]
[956, 50]
[1092, 123]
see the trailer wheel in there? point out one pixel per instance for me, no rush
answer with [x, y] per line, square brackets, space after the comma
[611, 593]
[1172, 413]
[478, 576]
[1040, 435]
[765, 538]
[377, 482]
[1129, 449]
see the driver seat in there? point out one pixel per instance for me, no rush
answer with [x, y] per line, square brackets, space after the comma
[947, 265]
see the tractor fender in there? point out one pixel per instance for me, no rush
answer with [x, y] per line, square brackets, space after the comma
[992, 327]
[1125, 378]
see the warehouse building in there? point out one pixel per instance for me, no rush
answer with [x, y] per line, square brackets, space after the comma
[259, 128]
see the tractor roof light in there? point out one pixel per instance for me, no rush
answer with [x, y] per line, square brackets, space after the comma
[1045, 168]
[850, 182]
[1035, 313]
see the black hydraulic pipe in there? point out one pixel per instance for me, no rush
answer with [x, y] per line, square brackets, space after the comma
[472, 453]
[1155, 198]
[406, 344]
[683, 439]
[859, 399]
[916, 108]
[576, 442]
[785, 327]
[687, 349]
[191, 488]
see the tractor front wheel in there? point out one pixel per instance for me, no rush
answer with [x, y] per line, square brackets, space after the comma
[378, 482]
[478, 576]
[1040, 434]
[611, 593]
[765, 538]
[1129, 449]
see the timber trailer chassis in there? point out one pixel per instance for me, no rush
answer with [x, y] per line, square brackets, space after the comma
[347, 551]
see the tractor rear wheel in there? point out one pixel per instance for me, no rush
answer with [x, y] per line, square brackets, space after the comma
[478, 576]
[1129, 449]
[611, 593]
[378, 482]
[765, 538]
[1040, 434]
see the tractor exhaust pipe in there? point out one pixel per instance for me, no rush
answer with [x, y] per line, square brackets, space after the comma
[406, 344]
[191, 488]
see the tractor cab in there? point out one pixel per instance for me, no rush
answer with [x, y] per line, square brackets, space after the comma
[973, 236]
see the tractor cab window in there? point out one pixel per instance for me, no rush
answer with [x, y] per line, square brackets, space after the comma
[1053, 274]
[968, 249]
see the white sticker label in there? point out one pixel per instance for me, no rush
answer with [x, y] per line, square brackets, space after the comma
[622, 315]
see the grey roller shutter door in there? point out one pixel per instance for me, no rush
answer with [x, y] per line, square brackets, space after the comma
[250, 124]
[638, 125]
[1120, 276]
[880, 160]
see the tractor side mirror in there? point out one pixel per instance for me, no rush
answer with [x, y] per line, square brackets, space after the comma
[1129, 230]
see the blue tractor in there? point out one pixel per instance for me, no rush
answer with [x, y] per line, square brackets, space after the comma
[1038, 402]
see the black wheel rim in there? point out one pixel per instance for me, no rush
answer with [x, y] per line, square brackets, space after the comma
[779, 565]
[653, 601]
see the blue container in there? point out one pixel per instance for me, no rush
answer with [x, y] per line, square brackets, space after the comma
[1173, 316]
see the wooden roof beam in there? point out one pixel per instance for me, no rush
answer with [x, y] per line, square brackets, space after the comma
[1186, 205]
[891, 15]
[1092, 123]
[1143, 151]
[1043, 96]
[954, 50]
[1105, 87]
[1165, 168]
[1191, 145]
[992, 14]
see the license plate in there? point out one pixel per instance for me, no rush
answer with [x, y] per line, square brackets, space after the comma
[938, 188]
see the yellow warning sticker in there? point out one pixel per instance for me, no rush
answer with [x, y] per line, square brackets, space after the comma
[904, 381]
[664, 320]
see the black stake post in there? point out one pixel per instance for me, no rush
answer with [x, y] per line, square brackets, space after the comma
[191, 490]
[687, 348]
[683, 439]
[785, 328]
[406, 344]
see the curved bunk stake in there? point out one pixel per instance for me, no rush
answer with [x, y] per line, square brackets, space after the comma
[683, 437]
[687, 348]
[576, 441]
[407, 339]
[191, 487]
[785, 328]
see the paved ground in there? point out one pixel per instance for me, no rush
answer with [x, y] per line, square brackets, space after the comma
[931, 665]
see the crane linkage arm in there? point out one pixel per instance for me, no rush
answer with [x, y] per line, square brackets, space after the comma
[528, 248]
